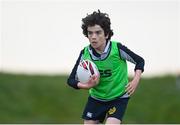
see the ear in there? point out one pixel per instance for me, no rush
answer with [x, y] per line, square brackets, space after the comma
[107, 36]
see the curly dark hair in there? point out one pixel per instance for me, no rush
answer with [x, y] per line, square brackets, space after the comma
[101, 19]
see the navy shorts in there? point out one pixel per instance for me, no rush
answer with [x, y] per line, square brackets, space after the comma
[99, 110]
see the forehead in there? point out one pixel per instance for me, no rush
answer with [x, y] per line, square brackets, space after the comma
[94, 28]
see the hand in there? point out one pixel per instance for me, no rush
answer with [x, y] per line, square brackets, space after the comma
[131, 87]
[93, 81]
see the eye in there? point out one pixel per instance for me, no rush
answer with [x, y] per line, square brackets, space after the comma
[90, 33]
[98, 32]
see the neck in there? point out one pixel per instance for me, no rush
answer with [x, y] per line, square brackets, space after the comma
[100, 50]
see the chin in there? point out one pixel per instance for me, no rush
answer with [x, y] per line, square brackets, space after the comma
[95, 47]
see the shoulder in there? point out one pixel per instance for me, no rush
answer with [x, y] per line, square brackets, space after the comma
[117, 43]
[121, 46]
[84, 49]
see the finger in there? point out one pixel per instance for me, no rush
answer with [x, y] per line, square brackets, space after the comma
[90, 79]
[128, 92]
[131, 92]
[94, 77]
[128, 87]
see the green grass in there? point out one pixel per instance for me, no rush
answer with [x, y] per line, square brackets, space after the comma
[48, 99]
[157, 100]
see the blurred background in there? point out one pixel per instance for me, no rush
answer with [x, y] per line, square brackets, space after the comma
[41, 40]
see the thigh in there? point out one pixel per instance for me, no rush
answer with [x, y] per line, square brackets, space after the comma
[117, 109]
[94, 111]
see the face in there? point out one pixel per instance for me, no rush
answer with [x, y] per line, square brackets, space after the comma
[97, 37]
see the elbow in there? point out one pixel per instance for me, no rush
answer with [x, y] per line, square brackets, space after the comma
[72, 83]
[140, 65]
[142, 62]
[68, 82]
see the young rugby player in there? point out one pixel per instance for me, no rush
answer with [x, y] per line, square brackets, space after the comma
[109, 98]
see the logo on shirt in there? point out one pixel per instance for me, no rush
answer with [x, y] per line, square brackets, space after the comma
[105, 73]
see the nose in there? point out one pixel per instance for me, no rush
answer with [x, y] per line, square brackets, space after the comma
[94, 36]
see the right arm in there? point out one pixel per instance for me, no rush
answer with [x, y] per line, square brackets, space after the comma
[73, 82]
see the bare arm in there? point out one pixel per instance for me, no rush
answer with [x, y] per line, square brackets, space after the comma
[132, 85]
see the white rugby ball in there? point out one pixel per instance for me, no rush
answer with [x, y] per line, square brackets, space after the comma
[85, 70]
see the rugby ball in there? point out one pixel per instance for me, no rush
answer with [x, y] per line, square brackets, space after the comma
[85, 70]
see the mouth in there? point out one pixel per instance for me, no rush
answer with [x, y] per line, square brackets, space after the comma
[93, 42]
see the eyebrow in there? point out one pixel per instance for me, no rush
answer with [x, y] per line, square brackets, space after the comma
[94, 31]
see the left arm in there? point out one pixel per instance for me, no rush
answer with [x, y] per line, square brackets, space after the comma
[130, 56]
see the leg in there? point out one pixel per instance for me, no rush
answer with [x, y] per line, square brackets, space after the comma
[111, 120]
[117, 110]
[94, 112]
[86, 122]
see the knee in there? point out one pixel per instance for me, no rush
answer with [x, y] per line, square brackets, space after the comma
[91, 122]
[112, 120]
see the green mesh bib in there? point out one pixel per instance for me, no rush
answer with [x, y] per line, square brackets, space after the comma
[113, 74]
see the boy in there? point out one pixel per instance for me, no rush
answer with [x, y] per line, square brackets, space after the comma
[108, 99]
